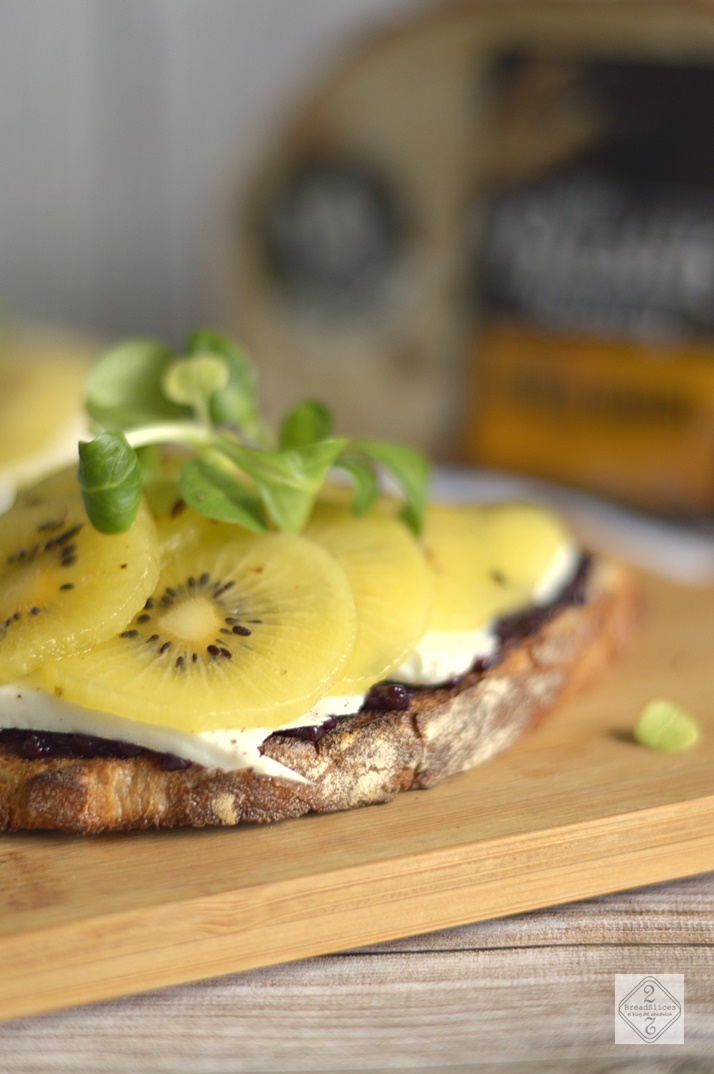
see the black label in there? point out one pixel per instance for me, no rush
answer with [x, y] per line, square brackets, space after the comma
[333, 234]
[615, 237]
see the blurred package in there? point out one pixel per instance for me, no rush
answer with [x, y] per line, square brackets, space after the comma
[490, 232]
[594, 358]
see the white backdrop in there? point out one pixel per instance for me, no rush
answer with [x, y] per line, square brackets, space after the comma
[125, 125]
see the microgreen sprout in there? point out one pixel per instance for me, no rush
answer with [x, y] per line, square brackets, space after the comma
[141, 397]
[194, 381]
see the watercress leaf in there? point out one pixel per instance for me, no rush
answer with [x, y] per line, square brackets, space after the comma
[195, 380]
[124, 387]
[110, 477]
[204, 340]
[408, 468]
[364, 482]
[288, 481]
[302, 473]
[236, 403]
[214, 493]
[305, 424]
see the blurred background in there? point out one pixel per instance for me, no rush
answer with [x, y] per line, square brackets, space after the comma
[483, 228]
[128, 128]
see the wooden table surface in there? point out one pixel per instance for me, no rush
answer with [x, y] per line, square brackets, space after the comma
[532, 993]
[575, 810]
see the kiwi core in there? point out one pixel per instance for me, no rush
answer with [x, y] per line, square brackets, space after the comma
[191, 620]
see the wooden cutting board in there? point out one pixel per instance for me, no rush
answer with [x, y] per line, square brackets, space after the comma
[577, 809]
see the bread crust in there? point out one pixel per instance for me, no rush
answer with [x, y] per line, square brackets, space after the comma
[366, 759]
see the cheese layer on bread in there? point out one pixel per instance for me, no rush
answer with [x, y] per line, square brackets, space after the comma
[28, 709]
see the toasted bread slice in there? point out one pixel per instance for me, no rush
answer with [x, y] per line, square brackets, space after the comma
[364, 759]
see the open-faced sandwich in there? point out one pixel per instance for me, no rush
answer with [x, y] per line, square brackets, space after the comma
[210, 632]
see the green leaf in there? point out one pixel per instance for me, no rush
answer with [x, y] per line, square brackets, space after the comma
[110, 477]
[208, 489]
[305, 424]
[206, 402]
[236, 404]
[408, 468]
[287, 481]
[124, 388]
[364, 482]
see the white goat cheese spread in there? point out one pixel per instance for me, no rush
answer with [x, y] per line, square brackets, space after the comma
[28, 709]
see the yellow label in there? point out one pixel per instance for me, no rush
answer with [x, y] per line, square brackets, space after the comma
[618, 418]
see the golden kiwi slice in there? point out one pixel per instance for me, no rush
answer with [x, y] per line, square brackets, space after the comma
[241, 631]
[488, 560]
[391, 583]
[63, 585]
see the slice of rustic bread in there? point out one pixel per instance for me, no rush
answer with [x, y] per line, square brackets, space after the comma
[364, 759]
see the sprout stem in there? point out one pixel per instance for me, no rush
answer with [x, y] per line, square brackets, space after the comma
[172, 432]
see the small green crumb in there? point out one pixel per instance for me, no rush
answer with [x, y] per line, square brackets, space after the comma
[662, 725]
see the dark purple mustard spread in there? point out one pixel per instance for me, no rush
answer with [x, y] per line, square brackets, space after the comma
[383, 697]
[37, 745]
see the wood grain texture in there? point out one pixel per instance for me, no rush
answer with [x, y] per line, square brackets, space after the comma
[529, 994]
[575, 810]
